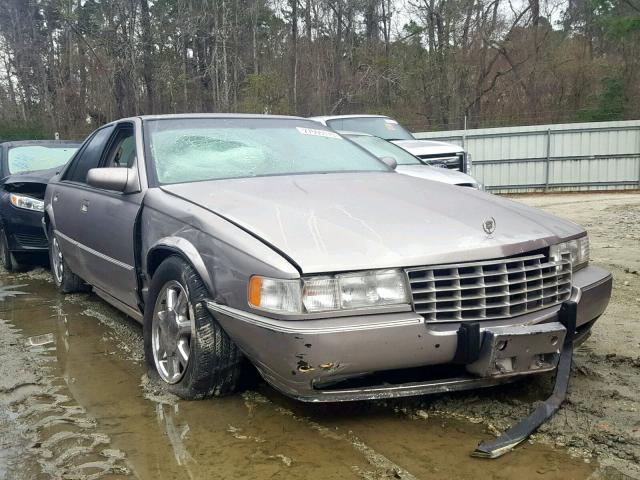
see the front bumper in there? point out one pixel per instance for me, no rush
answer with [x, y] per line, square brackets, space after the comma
[24, 230]
[313, 360]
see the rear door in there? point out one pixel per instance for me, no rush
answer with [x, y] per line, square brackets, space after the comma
[106, 221]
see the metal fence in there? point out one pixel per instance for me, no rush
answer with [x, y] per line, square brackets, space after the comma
[560, 157]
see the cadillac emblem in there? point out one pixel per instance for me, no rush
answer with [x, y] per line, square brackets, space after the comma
[489, 225]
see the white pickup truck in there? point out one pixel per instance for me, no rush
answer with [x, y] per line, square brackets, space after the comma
[435, 153]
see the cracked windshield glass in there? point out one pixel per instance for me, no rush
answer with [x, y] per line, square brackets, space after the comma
[192, 150]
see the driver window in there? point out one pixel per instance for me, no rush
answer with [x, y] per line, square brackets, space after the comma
[123, 150]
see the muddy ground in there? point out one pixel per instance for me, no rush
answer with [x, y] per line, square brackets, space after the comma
[75, 403]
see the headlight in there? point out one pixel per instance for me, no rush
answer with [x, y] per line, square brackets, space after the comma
[28, 203]
[578, 250]
[329, 293]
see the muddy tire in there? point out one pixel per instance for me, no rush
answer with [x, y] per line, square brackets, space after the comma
[184, 344]
[7, 258]
[64, 278]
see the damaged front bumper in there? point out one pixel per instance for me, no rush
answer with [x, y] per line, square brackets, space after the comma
[398, 354]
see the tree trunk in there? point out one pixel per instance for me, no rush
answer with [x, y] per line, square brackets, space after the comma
[147, 49]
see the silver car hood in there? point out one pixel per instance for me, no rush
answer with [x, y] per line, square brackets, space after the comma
[437, 174]
[429, 147]
[356, 221]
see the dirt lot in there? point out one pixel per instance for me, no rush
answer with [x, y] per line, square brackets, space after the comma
[75, 403]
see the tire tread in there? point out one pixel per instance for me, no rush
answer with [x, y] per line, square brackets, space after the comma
[215, 365]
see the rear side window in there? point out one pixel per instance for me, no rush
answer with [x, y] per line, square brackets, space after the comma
[89, 157]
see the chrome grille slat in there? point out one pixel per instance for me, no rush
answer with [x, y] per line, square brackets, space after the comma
[491, 289]
[491, 284]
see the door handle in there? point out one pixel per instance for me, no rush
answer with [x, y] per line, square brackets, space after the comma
[84, 207]
[55, 197]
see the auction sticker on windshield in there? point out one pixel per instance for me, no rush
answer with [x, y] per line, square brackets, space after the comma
[317, 133]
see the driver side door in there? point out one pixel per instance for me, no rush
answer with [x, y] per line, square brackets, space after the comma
[107, 224]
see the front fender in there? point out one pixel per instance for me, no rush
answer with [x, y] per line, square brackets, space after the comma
[184, 248]
[47, 219]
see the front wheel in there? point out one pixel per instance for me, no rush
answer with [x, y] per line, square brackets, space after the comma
[7, 258]
[184, 345]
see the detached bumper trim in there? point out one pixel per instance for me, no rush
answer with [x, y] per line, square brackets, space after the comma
[403, 390]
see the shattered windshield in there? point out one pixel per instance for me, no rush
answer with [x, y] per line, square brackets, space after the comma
[382, 127]
[190, 149]
[30, 158]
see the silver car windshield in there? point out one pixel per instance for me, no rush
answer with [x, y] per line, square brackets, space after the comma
[382, 148]
[37, 157]
[190, 149]
[382, 127]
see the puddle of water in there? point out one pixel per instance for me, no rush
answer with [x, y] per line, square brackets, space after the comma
[257, 434]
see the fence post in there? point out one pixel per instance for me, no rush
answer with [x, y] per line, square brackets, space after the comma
[546, 181]
[639, 157]
[464, 133]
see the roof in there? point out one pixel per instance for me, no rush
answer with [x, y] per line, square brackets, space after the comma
[212, 115]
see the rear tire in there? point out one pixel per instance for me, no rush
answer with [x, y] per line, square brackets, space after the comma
[64, 278]
[184, 344]
[7, 258]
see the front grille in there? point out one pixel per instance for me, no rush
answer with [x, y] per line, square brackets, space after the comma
[491, 289]
[31, 241]
[453, 162]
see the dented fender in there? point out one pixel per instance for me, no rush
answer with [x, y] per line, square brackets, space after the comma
[186, 249]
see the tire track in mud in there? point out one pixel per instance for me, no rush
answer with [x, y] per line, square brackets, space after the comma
[383, 467]
[42, 429]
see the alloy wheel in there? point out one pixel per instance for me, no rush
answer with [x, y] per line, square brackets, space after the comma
[56, 260]
[172, 332]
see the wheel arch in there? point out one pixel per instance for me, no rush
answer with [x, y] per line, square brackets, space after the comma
[47, 220]
[168, 246]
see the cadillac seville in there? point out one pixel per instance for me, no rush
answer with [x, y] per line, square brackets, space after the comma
[277, 241]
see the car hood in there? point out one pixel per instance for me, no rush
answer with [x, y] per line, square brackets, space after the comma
[356, 221]
[36, 176]
[437, 174]
[429, 147]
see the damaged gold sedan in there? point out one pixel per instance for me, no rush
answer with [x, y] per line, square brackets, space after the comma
[277, 240]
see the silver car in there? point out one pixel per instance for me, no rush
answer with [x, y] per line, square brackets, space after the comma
[408, 164]
[447, 155]
[273, 239]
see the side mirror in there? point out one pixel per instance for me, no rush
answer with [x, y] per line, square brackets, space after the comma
[119, 179]
[390, 162]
